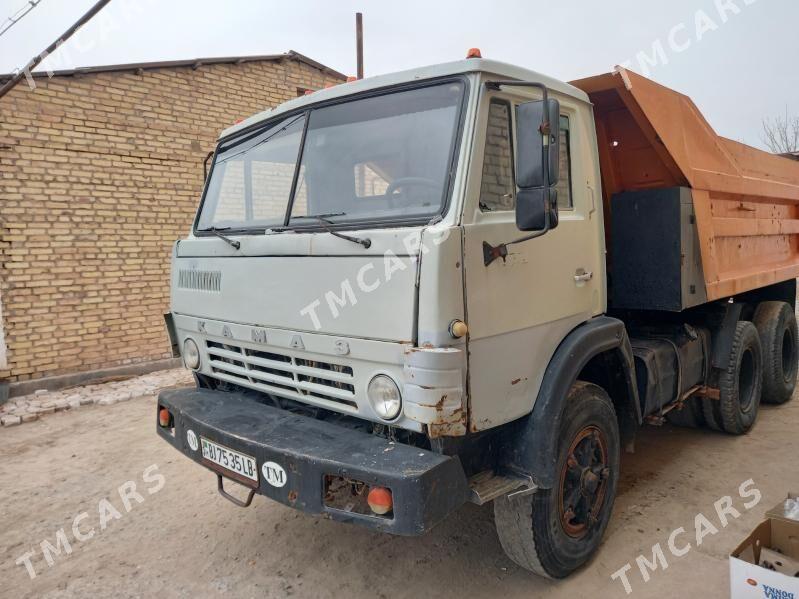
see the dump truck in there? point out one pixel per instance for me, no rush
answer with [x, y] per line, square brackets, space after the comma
[471, 282]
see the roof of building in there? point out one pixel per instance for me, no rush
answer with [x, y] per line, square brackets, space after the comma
[194, 63]
[470, 65]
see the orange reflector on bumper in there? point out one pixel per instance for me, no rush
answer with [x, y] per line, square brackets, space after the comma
[380, 500]
[164, 417]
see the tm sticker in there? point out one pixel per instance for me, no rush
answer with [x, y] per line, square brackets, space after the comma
[274, 474]
[192, 439]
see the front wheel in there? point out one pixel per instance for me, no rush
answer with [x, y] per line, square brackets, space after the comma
[555, 531]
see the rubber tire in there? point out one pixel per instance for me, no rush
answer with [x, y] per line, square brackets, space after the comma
[529, 527]
[690, 416]
[773, 321]
[726, 414]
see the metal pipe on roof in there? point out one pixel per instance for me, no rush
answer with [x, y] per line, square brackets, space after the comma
[359, 42]
[9, 85]
[17, 16]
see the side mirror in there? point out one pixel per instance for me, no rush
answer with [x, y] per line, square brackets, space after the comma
[532, 206]
[537, 164]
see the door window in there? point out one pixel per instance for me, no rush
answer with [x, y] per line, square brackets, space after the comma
[564, 185]
[497, 187]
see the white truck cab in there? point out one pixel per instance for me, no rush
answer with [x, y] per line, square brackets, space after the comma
[420, 166]
[394, 299]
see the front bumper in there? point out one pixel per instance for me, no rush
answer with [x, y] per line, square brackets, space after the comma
[426, 486]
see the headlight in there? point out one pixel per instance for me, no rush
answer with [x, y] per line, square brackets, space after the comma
[384, 396]
[191, 354]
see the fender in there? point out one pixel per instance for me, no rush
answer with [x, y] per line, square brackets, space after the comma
[533, 446]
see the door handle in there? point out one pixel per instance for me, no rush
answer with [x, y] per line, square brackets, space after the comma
[581, 276]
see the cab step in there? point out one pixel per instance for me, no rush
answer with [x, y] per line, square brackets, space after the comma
[486, 486]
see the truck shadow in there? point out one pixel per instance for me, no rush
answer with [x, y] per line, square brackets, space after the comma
[464, 551]
[673, 474]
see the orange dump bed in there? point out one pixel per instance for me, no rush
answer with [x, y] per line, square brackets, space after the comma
[746, 201]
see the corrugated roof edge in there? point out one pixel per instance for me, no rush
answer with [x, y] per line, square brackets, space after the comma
[193, 63]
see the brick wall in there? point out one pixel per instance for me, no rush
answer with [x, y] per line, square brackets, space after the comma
[496, 188]
[99, 174]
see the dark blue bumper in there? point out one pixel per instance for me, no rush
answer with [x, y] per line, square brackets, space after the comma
[426, 486]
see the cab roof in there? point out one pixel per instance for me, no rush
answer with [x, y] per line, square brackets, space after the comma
[470, 65]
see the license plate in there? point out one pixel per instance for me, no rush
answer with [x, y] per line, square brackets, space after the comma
[228, 459]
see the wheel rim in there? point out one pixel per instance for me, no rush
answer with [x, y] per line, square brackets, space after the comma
[746, 381]
[583, 482]
[788, 356]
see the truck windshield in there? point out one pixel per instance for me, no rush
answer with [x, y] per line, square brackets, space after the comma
[382, 158]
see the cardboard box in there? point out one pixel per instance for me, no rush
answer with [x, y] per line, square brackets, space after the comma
[774, 539]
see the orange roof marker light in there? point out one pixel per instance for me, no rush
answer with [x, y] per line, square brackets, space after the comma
[308, 92]
[350, 79]
[474, 53]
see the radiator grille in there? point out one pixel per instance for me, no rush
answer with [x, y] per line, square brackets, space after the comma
[309, 381]
[200, 280]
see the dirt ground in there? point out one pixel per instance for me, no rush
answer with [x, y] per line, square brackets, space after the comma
[184, 540]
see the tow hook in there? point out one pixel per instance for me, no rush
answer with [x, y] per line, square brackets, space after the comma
[220, 486]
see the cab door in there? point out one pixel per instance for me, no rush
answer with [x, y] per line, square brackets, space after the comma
[520, 309]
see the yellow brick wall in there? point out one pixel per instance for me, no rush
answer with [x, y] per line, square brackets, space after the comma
[99, 174]
[496, 187]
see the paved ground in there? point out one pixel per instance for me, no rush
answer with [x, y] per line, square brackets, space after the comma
[185, 540]
[28, 408]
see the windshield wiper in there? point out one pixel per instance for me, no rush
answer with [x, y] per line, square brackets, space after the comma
[322, 219]
[216, 231]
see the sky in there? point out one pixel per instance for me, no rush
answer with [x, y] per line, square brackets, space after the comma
[737, 59]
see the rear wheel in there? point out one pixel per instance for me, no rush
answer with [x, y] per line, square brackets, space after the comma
[740, 385]
[555, 531]
[776, 325]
